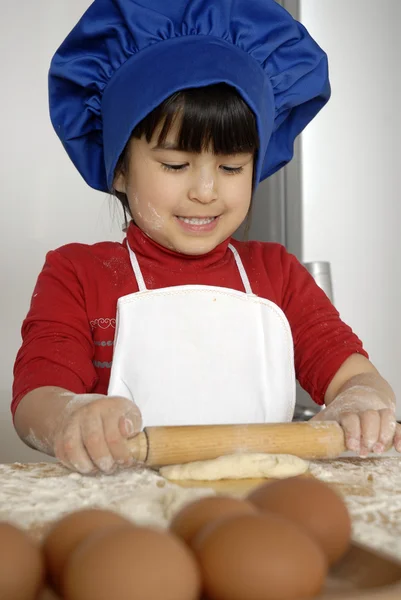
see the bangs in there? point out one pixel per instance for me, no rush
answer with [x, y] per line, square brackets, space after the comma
[212, 118]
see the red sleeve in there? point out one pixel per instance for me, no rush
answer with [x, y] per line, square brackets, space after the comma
[57, 347]
[322, 341]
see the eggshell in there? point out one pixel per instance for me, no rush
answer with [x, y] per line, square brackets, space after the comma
[65, 535]
[126, 563]
[259, 557]
[21, 565]
[312, 505]
[190, 519]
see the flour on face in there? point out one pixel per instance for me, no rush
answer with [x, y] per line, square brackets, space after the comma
[207, 180]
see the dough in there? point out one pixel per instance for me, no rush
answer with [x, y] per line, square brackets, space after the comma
[238, 466]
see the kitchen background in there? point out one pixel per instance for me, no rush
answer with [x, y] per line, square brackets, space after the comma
[338, 201]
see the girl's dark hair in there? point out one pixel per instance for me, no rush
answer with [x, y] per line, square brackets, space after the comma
[213, 117]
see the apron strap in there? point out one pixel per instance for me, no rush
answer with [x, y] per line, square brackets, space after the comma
[137, 270]
[241, 269]
[141, 282]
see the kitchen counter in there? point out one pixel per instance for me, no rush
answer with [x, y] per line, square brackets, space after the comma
[371, 488]
[32, 495]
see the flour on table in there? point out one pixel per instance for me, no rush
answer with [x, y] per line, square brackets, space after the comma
[238, 466]
[31, 495]
[372, 491]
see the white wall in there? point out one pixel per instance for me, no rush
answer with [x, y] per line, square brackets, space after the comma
[352, 165]
[43, 202]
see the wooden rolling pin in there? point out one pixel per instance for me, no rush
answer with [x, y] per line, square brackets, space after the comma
[160, 446]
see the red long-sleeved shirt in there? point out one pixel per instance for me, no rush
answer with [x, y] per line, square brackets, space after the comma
[68, 334]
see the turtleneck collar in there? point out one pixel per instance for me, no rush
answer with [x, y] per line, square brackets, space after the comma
[163, 258]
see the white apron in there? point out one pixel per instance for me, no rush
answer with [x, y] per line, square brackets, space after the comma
[200, 355]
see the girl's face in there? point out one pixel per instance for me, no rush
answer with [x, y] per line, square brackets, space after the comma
[187, 202]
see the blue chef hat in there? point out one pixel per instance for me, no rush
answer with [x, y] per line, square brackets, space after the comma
[125, 57]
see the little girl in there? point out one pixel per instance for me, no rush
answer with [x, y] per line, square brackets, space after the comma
[180, 109]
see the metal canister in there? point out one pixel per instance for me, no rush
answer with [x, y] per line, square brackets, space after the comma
[321, 272]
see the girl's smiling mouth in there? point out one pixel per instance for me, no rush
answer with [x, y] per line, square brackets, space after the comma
[197, 224]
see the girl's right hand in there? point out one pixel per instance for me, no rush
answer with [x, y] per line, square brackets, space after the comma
[91, 435]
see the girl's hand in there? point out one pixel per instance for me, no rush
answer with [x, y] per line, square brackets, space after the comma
[368, 421]
[92, 432]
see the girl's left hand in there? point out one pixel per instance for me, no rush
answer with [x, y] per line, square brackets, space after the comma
[369, 423]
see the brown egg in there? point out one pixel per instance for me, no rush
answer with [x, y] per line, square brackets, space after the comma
[196, 515]
[137, 562]
[21, 565]
[49, 594]
[68, 532]
[259, 557]
[312, 505]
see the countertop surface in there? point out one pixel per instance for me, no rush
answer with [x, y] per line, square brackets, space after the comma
[34, 494]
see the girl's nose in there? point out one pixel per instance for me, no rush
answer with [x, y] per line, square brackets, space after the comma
[203, 188]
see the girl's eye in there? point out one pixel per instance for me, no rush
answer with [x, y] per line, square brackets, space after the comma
[233, 170]
[172, 168]
[175, 168]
